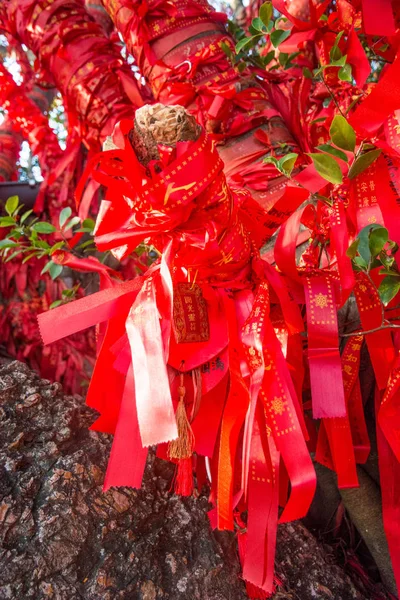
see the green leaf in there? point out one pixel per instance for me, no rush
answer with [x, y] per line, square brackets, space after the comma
[68, 293]
[345, 73]
[387, 261]
[56, 247]
[46, 267]
[363, 237]
[337, 39]
[342, 134]
[13, 255]
[283, 57]
[278, 36]
[267, 59]
[12, 204]
[279, 20]
[258, 25]
[64, 216]
[360, 262]
[363, 162]
[74, 221]
[266, 11]
[286, 163]
[271, 159]
[327, 167]
[42, 244]
[55, 270]
[7, 221]
[389, 288]
[246, 43]
[55, 304]
[29, 256]
[335, 53]
[7, 243]
[340, 62]
[307, 73]
[352, 250]
[43, 227]
[377, 240]
[86, 244]
[227, 50]
[25, 215]
[334, 151]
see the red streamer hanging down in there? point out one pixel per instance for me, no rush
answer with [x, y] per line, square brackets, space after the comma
[206, 299]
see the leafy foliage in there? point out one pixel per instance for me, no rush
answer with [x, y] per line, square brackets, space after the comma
[29, 238]
[373, 249]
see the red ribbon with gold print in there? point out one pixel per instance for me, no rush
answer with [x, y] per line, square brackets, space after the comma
[327, 390]
[380, 344]
[389, 411]
[286, 430]
[258, 562]
[338, 437]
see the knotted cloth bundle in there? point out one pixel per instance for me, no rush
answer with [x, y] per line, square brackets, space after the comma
[189, 359]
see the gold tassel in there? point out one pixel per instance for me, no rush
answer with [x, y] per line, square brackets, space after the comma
[183, 446]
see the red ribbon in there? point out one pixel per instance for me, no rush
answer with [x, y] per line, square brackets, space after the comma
[155, 411]
[85, 312]
[283, 421]
[378, 20]
[323, 349]
[337, 438]
[380, 345]
[232, 422]
[258, 560]
[128, 458]
[340, 243]
[389, 411]
[389, 473]
[381, 102]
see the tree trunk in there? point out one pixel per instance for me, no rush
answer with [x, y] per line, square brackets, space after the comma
[97, 86]
[179, 49]
[62, 538]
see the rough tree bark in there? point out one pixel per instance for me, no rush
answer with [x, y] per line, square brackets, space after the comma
[62, 538]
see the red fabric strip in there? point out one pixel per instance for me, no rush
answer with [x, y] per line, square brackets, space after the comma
[357, 58]
[382, 101]
[128, 457]
[85, 312]
[153, 396]
[335, 447]
[283, 422]
[389, 412]
[258, 562]
[380, 345]
[340, 243]
[378, 19]
[359, 432]
[328, 398]
[389, 473]
[232, 421]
